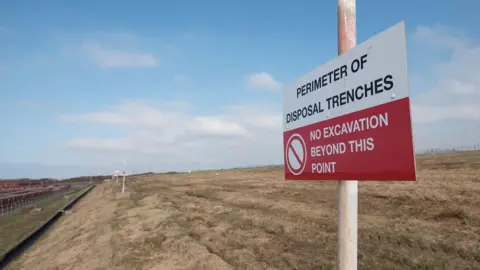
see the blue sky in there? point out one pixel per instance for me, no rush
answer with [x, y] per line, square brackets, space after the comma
[176, 85]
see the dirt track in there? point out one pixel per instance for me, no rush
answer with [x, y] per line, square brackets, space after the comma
[254, 220]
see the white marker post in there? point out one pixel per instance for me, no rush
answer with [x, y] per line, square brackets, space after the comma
[123, 184]
[347, 190]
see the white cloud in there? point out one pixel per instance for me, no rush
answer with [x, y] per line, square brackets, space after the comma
[28, 103]
[179, 78]
[262, 81]
[256, 115]
[111, 58]
[453, 91]
[441, 37]
[216, 126]
[431, 114]
[115, 144]
[97, 117]
[237, 135]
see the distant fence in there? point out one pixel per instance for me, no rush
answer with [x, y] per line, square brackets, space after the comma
[474, 147]
[16, 249]
[15, 200]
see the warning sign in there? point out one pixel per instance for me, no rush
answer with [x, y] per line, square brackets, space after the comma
[349, 119]
[296, 154]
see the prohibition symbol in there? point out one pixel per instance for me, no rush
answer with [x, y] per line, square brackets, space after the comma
[296, 154]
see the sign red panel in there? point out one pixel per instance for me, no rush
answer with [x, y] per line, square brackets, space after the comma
[371, 144]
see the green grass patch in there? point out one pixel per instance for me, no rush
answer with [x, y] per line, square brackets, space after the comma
[17, 225]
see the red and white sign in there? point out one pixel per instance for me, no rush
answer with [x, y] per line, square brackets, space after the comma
[349, 119]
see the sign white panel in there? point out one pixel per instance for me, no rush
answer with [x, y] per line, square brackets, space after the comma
[371, 74]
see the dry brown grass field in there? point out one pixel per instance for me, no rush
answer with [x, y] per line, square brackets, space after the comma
[252, 219]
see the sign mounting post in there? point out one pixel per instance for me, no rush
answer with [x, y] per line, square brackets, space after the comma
[349, 120]
[347, 234]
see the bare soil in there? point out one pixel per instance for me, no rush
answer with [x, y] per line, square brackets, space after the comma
[252, 219]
